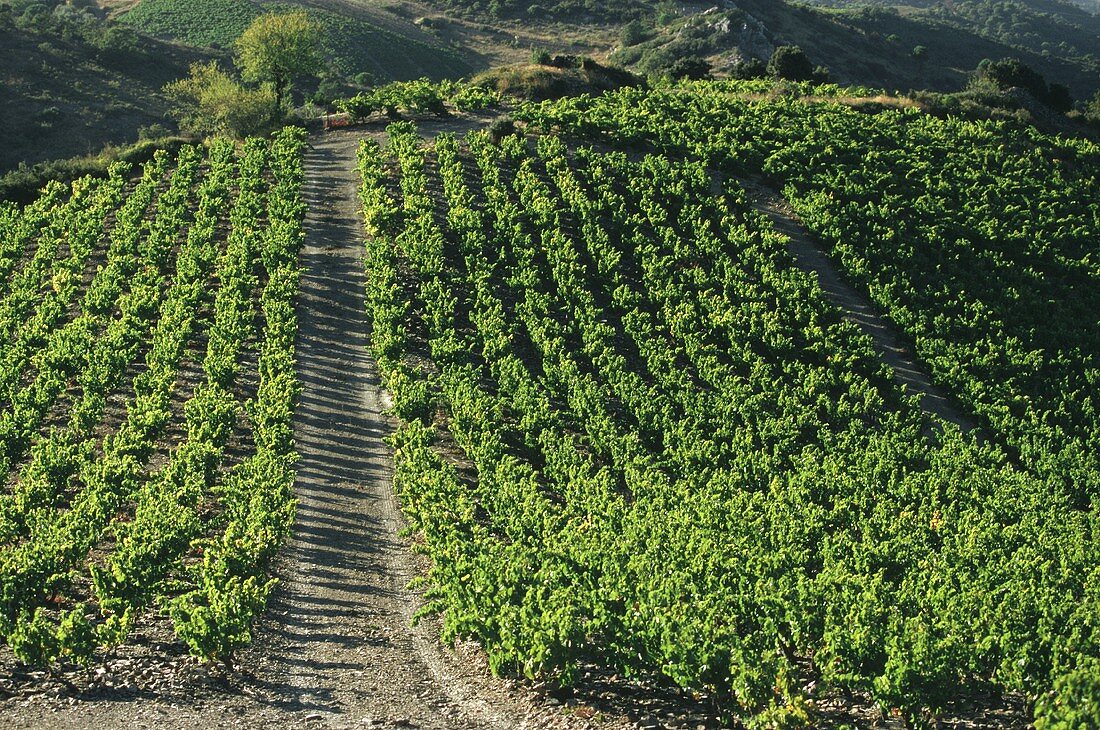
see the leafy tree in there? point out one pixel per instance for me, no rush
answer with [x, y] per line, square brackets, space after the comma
[277, 48]
[689, 68]
[1092, 111]
[1011, 73]
[790, 63]
[210, 101]
[632, 33]
[753, 68]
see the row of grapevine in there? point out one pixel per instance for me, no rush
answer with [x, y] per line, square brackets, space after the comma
[976, 238]
[106, 515]
[679, 460]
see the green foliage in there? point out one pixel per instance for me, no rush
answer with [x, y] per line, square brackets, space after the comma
[791, 64]
[748, 70]
[633, 33]
[180, 249]
[686, 462]
[415, 97]
[351, 44]
[1074, 703]
[474, 97]
[216, 620]
[1092, 110]
[198, 22]
[210, 101]
[549, 82]
[277, 48]
[25, 182]
[693, 69]
[1011, 73]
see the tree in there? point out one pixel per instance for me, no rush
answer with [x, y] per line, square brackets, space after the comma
[1092, 109]
[753, 68]
[277, 48]
[632, 33]
[1012, 73]
[791, 63]
[210, 101]
[692, 68]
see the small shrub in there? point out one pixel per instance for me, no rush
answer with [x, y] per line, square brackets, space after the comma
[501, 128]
[632, 34]
[748, 70]
[790, 63]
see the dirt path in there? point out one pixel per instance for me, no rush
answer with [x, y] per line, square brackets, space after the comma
[857, 307]
[343, 613]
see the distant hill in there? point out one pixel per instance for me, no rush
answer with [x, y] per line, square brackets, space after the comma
[355, 44]
[860, 42]
[73, 83]
[81, 73]
[1056, 34]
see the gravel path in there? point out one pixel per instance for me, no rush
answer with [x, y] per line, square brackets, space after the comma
[344, 611]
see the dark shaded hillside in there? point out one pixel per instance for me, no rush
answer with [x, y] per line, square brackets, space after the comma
[953, 50]
[70, 86]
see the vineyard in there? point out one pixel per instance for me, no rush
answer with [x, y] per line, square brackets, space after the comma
[636, 435]
[147, 383]
[633, 432]
[353, 44]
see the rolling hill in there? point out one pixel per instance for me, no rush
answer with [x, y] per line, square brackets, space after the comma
[73, 84]
[356, 41]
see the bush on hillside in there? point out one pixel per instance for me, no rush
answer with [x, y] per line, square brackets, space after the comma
[693, 69]
[748, 70]
[211, 102]
[1012, 73]
[790, 63]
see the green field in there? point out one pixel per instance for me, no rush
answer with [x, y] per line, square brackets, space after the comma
[353, 45]
[147, 383]
[635, 434]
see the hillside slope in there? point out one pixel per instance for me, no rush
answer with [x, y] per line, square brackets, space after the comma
[71, 86]
[858, 42]
[357, 40]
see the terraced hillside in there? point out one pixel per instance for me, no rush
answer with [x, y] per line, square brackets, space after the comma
[637, 435]
[704, 405]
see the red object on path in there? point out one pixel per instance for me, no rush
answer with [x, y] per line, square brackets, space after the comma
[335, 121]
